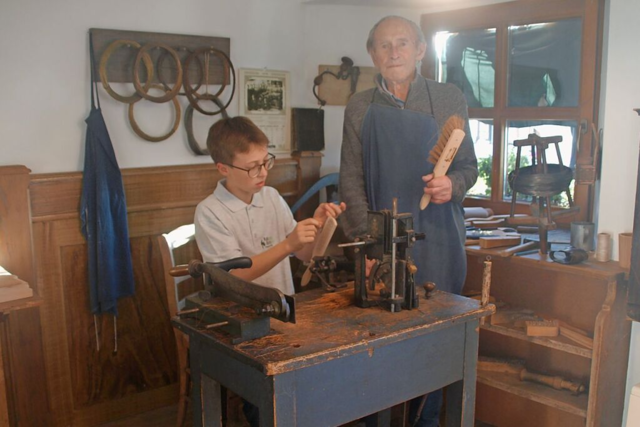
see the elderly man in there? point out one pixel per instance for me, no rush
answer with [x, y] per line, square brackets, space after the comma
[388, 134]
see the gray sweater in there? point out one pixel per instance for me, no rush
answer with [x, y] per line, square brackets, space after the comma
[447, 99]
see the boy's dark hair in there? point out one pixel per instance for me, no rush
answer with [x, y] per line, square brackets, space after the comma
[233, 135]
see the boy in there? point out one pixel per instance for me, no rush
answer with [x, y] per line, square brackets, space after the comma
[243, 217]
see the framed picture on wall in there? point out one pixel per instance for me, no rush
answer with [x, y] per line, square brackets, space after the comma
[264, 98]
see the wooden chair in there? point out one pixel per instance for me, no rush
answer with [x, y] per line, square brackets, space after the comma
[167, 243]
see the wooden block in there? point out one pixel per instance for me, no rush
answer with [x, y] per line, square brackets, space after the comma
[496, 242]
[338, 92]
[545, 328]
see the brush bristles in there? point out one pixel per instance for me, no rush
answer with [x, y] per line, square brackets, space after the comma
[452, 123]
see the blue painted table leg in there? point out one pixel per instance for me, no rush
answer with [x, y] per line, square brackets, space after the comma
[461, 394]
[278, 408]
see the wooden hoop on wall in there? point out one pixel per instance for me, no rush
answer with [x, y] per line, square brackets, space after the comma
[105, 79]
[136, 78]
[188, 125]
[160, 62]
[193, 96]
[142, 134]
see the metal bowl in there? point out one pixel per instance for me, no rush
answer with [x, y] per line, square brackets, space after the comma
[533, 183]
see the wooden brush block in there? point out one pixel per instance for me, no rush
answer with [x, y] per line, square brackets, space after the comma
[496, 242]
[546, 328]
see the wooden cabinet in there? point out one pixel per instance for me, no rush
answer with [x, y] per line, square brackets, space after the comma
[591, 297]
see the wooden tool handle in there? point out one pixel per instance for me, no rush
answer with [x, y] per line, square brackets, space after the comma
[179, 270]
[322, 243]
[556, 382]
[445, 160]
[519, 248]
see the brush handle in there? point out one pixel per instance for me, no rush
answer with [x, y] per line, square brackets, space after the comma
[445, 160]
[322, 243]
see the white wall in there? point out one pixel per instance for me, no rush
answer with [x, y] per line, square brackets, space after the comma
[621, 94]
[44, 72]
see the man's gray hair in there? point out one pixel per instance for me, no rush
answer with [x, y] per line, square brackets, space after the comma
[418, 32]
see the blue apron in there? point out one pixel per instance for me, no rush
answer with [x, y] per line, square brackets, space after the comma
[396, 144]
[103, 211]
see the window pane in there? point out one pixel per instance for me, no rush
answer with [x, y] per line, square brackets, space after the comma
[544, 64]
[466, 59]
[517, 130]
[482, 135]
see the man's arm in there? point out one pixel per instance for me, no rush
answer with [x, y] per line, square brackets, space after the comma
[352, 186]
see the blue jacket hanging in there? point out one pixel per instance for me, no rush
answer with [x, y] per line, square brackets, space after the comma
[103, 211]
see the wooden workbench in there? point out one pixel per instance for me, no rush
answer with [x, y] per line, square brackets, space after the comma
[340, 362]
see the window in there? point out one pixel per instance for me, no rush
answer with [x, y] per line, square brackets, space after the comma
[524, 68]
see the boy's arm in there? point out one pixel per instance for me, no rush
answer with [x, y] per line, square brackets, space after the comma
[324, 211]
[297, 241]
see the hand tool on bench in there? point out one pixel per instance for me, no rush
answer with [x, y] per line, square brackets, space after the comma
[531, 241]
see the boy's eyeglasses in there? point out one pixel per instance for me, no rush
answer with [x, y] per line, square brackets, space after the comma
[255, 171]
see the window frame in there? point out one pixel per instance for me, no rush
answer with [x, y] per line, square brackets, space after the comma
[501, 17]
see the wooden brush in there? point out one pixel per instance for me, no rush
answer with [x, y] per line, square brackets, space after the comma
[445, 150]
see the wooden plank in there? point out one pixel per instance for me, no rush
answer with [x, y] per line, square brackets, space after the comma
[120, 65]
[338, 92]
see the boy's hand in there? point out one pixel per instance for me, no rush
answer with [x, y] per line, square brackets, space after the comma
[440, 188]
[305, 232]
[326, 210]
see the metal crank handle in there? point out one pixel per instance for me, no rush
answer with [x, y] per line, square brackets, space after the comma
[194, 269]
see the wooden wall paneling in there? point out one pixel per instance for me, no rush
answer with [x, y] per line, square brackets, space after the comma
[87, 387]
[23, 365]
[15, 223]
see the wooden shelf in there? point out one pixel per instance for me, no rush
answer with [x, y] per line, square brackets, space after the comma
[559, 343]
[559, 399]
[590, 268]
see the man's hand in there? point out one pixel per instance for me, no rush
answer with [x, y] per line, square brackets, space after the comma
[440, 188]
[326, 210]
[305, 232]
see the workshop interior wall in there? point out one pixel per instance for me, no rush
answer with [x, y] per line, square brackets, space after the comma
[44, 82]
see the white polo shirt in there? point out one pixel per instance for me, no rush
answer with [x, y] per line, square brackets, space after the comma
[227, 227]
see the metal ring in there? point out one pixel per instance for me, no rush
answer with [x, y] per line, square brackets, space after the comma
[161, 61]
[103, 71]
[188, 125]
[136, 78]
[195, 97]
[141, 134]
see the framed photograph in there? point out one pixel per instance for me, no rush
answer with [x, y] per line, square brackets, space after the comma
[264, 98]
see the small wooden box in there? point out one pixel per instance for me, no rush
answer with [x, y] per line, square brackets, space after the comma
[545, 328]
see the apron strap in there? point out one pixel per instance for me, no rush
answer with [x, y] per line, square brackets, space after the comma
[94, 83]
[426, 83]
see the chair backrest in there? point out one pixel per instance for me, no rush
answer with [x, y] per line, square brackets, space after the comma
[167, 243]
[325, 181]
